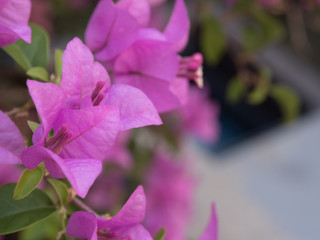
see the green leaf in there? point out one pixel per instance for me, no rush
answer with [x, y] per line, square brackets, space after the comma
[58, 62]
[38, 73]
[236, 90]
[44, 229]
[31, 55]
[212, 40]
[61, 189]
[160, 234]
[288, 101]
[16, 215]
[33, 125]
[28, 181]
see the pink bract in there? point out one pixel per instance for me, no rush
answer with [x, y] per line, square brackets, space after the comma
[11, 141]
[14, 17]
[124, 225]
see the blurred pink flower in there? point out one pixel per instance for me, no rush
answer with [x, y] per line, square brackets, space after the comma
[200, 116]
[119, 154]
[108, 190]
[169, 189]
[9, 173]
[14, 17]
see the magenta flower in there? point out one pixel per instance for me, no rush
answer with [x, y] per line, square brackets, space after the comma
[124, 225]
[14, 17]
[152, 64]
[169, 189]
[211, 231]
[86, 115]
[11, 141]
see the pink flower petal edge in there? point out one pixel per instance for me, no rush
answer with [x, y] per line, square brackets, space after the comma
[211, 231]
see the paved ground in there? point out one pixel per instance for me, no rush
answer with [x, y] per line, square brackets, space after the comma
[266, 189]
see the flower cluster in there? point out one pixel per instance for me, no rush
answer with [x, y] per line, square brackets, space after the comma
[122, 78]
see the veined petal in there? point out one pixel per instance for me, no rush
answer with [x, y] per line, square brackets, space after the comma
[132, 212]
[11, 34]
[11, 141]
[136, 110]
[177, 30]
[80, 73]
[140, 9]
[121, 35]
[211, 232]
[100, 25]
[158, 91]
[15, 12]
[150, 58]
[48, 99]
[82, 225]
[81, 173]
[94, 131]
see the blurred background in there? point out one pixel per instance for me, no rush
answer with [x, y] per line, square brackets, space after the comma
[261, 68]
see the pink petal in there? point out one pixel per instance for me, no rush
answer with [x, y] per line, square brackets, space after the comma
[132, 212]
[148, 58]
[11, 141]
[136, 110]
[140, 9]
[100, 25]
[82, 225]
[79, 73]
[81, 173]
[136, 232]
[14, 17]
[3, 3]
[48, 99]
[11, 34]
[177, 30]
[35, 154]
[158, 91]
[94, 131]
[211, 232]
[151, 33]
[122, 34]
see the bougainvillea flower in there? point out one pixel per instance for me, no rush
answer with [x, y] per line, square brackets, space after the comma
[211, 231]
[169, 190]
[110, 30]
[11, 141]
[86, 83]
[14, 17]
[124, 225]
[86, 115]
